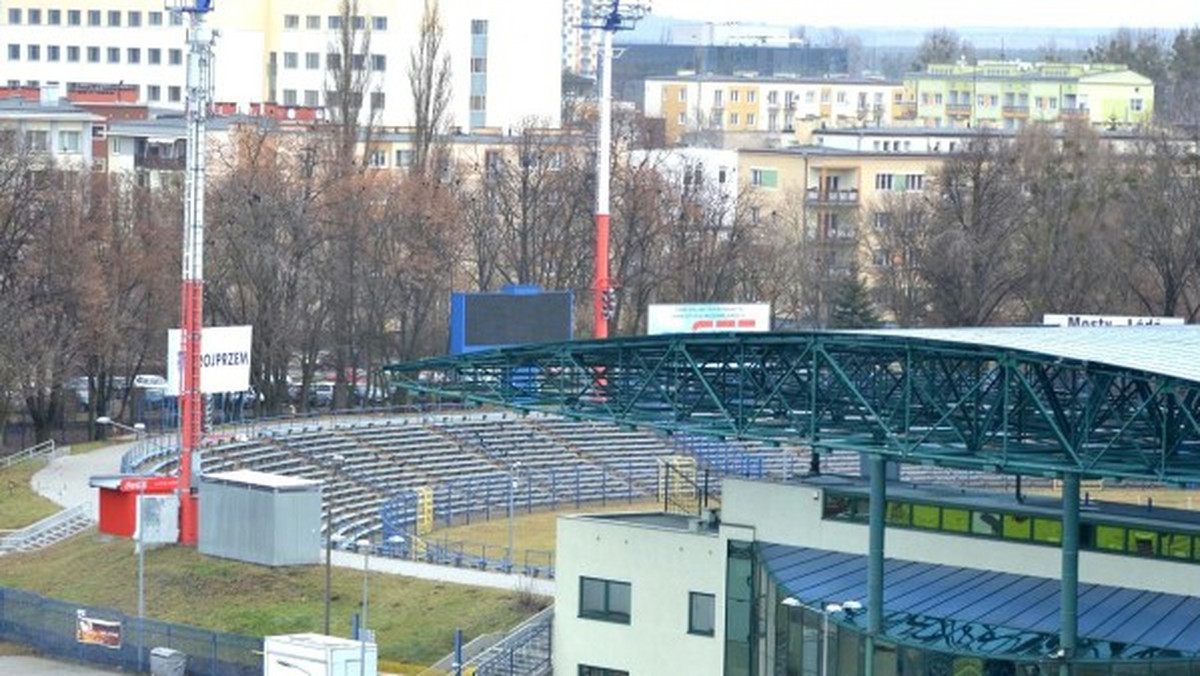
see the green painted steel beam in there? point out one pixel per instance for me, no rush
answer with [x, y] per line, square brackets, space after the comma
[910, 400]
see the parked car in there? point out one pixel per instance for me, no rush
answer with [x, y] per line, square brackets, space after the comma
[153, 387]
[320, 394]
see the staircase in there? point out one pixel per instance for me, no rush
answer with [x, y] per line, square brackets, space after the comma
[48, 531]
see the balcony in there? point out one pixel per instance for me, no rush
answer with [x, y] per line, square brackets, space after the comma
[159, 163]
[832, 197]
[1075, 113]
[906, 110]
[958, 109]
[1016, 111]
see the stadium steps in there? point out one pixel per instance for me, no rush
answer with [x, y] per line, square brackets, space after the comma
[640, 487]
[48, 531]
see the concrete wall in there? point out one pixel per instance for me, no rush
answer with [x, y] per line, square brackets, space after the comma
[662, 566]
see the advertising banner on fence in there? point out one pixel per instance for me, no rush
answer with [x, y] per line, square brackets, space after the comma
[708, 317]
[1089, 321]
[91, 630]
[224, 359]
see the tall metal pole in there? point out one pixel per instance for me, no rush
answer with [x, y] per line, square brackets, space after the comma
[199, 82]
[328, 556]
[603, 165]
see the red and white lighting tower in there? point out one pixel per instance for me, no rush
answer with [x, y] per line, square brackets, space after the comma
[191, 403]
[614, 18]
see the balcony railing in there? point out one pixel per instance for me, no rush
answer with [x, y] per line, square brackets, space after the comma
[818, 196]
[1016, 111]
[958, 109]
[1074, 113]
[159, 163]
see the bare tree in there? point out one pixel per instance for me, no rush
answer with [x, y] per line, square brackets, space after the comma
[898, 239]
[977, 209]
[429, 79]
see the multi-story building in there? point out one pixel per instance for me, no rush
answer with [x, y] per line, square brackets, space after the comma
[504, 57]
[51, 129]
[581, 46]
[696, 103]
[1010, 94]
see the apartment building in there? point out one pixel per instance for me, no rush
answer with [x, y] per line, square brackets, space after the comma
[505, 57]
[1011, 94]
[778, 104]
[52, 130]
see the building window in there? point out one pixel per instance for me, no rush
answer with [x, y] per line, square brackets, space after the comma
[14, 52]
[93, 17]
[734, 96]
[74, 17]
[883, 220]
[478, 64]
[54, 17]
[174, 94]
[682, 95]
[156, 18]
[479, 27]
[718, 97]
[312, 98]
[133, 18]
[734, 119]
[404, 158]
[359, 61]
[154, 56]
[176, 18]
[764, 178]
[312, 60]
[378, 62]
[72, 54]
[334, 23]
[291, 60]
[133, 55]
[175, 57]
[606, 600]
[114, 18]
[291, 21]
[93, 54]
[588, 670]
[289, 97]
[359, 23]
[750, 119]
[312, 22]
[478, 102]
[52, 52]
[379, 23]
[683, 118]
[37, 140]
[751, 96]
[377, 159]
[114, 55]
[35, 17]
[702, 613]
[333, 61]
[68, 141]
[377, 100]
[14, 16]
[884, 181]
[33, 53]
[1136, 105]
[154, 92]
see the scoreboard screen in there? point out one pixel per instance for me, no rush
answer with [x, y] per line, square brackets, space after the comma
[480, 321]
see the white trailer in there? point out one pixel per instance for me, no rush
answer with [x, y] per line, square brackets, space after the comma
[318, 655]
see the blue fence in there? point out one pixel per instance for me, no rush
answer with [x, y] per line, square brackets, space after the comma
[112, 639]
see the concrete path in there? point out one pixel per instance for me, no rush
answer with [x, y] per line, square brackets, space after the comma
[36, 666]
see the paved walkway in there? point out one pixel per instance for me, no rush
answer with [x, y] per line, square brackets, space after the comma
[36, 666]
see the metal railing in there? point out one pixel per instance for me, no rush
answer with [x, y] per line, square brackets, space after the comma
[46, 449]
[21, 539]
[525, 651]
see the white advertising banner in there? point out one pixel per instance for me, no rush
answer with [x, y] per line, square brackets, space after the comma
[708, 317]
[224, 359]
[1088, 321]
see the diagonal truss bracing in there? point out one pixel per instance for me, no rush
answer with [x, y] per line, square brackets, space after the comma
[911, 399]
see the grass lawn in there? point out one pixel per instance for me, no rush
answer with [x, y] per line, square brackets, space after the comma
[530, 531]
[19, 505]
[414, 619]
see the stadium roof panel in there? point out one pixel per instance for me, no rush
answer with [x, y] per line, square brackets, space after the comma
[989, 613]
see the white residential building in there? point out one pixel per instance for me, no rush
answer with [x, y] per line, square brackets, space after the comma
[505, 57]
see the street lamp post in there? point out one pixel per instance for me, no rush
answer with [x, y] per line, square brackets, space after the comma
[337, 461]
[139, 431]
[365, 546]
[847, 606]
[512, 490]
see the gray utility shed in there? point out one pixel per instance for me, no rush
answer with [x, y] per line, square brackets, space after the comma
[260, 518]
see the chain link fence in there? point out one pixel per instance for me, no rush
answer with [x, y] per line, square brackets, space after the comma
[109, 638]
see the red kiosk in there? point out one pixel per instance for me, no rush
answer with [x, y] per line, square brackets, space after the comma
[119, 499]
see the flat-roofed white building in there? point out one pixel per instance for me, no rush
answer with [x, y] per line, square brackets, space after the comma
[505, 58]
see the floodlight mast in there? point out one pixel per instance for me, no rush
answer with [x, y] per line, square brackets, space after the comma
[191, 404]
[611, 21]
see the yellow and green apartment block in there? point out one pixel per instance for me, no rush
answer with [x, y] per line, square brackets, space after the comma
[1011, 94]
[693, 102]
[839, 198]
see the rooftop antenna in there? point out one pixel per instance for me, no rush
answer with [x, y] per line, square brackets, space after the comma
[610, 19]
[191, 404]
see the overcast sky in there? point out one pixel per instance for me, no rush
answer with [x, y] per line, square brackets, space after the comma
[936, 13]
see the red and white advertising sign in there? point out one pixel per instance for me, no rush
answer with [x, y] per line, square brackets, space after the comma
[708, 318]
